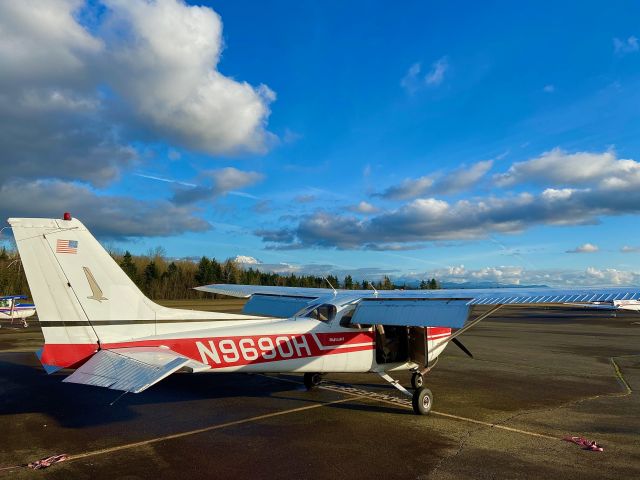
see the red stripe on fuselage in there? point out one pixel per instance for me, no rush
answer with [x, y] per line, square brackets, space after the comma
[231, 351]
[437, 333]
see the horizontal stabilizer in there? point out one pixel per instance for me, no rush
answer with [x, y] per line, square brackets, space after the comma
[131, 369]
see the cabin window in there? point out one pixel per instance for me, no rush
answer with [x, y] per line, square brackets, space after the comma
[345, 320]
[324, 313]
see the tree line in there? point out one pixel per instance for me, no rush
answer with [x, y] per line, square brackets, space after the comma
[169, 279]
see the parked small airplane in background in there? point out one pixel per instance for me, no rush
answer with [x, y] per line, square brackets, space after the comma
[97, 321]
[10, 309]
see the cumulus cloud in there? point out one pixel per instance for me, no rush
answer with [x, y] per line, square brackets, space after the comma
[504, 275]
[610, 276]
[431, 219]
[558, 167]
[42, 43]
[75, 100]
[585, 248]
[629, 45]
[460, 179]
[516, 275]
[630, 249]
[219, 182]
[107, 216]
[159, 58]
[163, 58]
[51, 115]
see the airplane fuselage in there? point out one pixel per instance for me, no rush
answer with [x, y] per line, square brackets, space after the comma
[270, 345]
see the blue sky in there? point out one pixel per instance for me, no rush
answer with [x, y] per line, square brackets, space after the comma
[473, 142]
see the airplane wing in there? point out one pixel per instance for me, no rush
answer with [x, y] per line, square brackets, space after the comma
[483, 296]
[447, 307]
[131, 369]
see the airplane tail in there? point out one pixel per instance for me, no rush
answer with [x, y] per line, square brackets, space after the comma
[83, 297]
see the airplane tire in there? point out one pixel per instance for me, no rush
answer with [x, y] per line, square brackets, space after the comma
[417, 380]
[312, 380]
[422, 401]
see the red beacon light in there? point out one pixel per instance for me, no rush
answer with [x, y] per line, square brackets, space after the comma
[66, 216]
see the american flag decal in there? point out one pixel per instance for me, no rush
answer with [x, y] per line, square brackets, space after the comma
[67, 246]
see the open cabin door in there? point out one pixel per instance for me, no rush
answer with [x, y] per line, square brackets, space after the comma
[418, 351]
[411, 329]
[426, 343]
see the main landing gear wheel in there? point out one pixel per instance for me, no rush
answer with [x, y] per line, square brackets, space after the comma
[312, 380]
[417, 380]
[422, 401]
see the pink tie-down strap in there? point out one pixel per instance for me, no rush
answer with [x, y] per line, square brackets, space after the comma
[48, 461]
[584, 443]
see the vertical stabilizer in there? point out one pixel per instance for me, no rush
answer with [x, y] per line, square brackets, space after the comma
[82, 296]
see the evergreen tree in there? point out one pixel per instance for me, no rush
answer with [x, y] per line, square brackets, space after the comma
[348, 282]
[172, 270]
[150, 273]
[129, 267]
[230, 271]
[204, 272]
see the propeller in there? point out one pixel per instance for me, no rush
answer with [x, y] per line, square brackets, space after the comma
[461, 346]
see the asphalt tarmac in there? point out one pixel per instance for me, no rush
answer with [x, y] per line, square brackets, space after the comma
[536, 378]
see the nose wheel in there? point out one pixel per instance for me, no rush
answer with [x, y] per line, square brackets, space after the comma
[422, 401]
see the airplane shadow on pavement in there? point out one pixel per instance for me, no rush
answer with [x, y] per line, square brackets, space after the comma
[26, 389]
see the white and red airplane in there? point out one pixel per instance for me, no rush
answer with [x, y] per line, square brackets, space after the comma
[11, 309]
[96, 321]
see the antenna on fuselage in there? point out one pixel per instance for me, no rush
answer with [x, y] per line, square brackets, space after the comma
[335, 292]
[374, 289]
